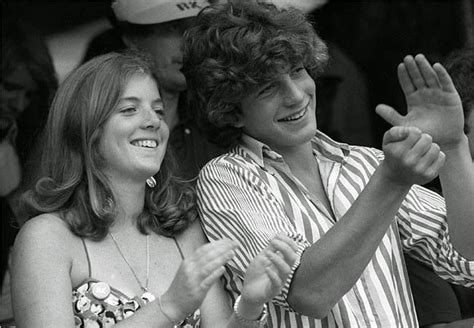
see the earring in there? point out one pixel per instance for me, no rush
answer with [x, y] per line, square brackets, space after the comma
[151, 182]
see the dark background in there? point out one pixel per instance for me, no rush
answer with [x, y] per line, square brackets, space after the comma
[375, 34]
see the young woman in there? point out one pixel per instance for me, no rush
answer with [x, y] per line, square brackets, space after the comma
[113, 227]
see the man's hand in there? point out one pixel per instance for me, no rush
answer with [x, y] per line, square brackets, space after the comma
[411, 157]
[434, 105]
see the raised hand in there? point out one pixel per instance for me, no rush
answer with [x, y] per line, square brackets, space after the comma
[433, 103]
[267, 273]
[195, 277]
[411, 157]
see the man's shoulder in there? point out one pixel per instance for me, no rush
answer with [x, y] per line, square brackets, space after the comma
[234, 164]
[236, 156]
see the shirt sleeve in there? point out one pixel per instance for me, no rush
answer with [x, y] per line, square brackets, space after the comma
[425, 236]
[235, 203]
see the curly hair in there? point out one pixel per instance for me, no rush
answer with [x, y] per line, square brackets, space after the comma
[235, 47]
[71, 182]
[460, 65]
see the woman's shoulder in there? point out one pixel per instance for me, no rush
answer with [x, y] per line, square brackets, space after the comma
[192, 238]
[45, 229]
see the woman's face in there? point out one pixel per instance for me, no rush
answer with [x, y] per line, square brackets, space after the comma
[16, 88]
[134, 138]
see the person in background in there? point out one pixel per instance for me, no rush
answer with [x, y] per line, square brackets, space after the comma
[439, 303]
[136, 255]
[156, 28]
[250, 71]
[27, 85]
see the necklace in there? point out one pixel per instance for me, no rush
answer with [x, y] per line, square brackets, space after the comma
[145, 289]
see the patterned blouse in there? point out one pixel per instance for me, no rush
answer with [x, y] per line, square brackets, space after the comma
[96, 304]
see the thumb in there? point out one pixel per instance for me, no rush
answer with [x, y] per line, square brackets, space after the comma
[399, 133]
[389, 114]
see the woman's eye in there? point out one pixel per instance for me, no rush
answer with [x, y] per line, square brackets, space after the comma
[128, 110]
[159, 111]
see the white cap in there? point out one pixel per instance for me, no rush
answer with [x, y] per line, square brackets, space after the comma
[156, 11]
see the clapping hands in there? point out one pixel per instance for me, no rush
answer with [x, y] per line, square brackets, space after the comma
[268, 272]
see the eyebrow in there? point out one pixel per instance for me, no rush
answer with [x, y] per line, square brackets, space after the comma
[137, 100]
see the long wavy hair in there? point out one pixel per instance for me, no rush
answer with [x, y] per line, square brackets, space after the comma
[236, 47]
[71, 182]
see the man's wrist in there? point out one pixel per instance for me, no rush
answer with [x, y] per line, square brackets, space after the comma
[458, 148]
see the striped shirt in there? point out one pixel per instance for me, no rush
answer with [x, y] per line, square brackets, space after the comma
[250, 195]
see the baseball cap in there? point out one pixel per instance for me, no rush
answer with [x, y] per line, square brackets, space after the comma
[156, 11]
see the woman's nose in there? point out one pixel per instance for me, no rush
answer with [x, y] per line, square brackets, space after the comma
[152, 119]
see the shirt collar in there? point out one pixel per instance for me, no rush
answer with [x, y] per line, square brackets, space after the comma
[323, 147]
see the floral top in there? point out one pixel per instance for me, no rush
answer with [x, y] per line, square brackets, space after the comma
[98, 305]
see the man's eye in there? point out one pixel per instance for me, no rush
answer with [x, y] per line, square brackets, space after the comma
[266, 90]
[297, 71]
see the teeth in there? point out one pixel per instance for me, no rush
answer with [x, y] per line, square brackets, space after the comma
[145, 143]
[295, 116]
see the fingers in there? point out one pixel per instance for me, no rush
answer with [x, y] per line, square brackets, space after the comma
[275, 279]
[279, 263]
[411, 155]
[211, 279]
[389, 114]
[211, 256]
[414, 72]
[286, 247]
[428, 73]
[404, 79]
[431, 161]
[420, 148]
[444, 79]
[417, 73]
[398, 133]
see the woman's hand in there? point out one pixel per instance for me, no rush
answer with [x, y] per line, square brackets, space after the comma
[266, 275]
[195, 277]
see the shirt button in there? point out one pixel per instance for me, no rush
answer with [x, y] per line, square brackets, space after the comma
[187, 131]
[101, 290]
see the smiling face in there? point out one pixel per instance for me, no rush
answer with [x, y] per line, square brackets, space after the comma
[134, 138]
[281, 113]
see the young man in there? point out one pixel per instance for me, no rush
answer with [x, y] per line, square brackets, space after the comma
[250, 70]
[156, 28]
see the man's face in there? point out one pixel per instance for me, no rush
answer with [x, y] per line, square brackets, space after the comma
[165, 45]
[281, 113]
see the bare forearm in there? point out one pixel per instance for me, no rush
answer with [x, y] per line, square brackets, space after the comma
[331, 266]
[457, 181]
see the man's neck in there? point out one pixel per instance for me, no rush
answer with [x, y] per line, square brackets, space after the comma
[170, 100]
[300, 158]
